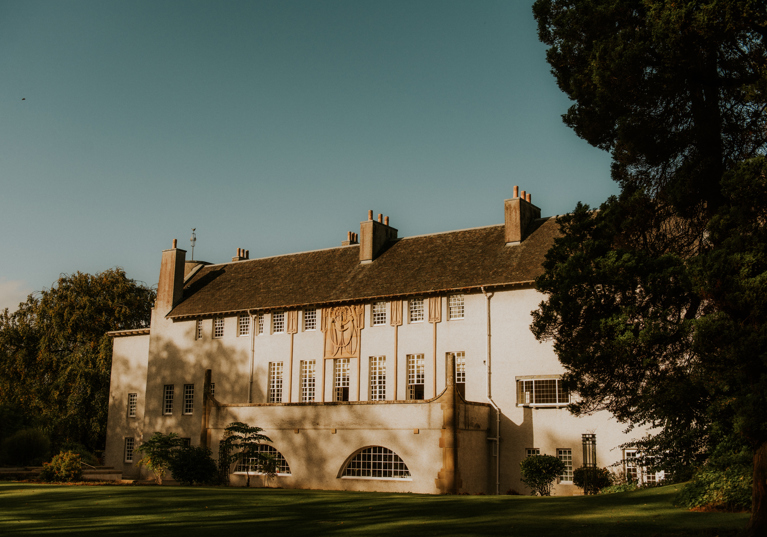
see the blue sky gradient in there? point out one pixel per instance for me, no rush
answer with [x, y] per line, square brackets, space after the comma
[271, 126]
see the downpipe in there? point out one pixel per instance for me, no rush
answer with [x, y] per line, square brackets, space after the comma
[497, 438]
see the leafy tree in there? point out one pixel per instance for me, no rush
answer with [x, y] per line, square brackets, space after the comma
[657, 302]
[592, 480]
[240, 441]
[540, 471]
[158, 453]
[55, 356]
[193, 464]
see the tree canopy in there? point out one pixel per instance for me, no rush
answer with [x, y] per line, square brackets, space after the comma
[656, 302]
[55, 356]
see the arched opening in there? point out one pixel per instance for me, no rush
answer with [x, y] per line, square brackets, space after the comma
[375, 462]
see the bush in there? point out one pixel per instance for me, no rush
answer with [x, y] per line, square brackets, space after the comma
[65, 467]
[27, 447]
[193, 464]
[726, 489]
[592, 480]
[540, 471]
[85, 456]
[158, 452]
[628, 486]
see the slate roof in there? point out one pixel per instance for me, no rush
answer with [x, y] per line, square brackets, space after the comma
[453, 261]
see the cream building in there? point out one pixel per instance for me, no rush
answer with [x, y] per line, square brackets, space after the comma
[386, 364]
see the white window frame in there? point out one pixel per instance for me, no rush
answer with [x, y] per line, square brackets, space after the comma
[310, 320]
[243, 325]
[455, 307]
[167, 399]
[260, 329]
[378, 314]
[416, 376]
[188, 408]
[566, 456]
[278, 322]
[198, 329]
[308, 381]
[377, 370]
[218, 327]
[376, 463]
[250, 465]
[341, 379]
[642, 475]
[415, 310]
[132, 404]
[536, 392]
[129, 447]
[275, 382]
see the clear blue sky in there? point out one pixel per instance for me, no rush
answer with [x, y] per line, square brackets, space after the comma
[272, 126]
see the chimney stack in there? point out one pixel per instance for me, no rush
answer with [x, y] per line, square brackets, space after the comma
[242, 255]
[171, 285]
[351, 238]
[519, 212]
[374, 237]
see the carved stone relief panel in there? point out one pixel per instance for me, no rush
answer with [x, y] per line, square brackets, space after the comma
[342, 326]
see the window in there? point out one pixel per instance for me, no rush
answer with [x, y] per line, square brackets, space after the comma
[377, 378]
[529, 452]
[251, 466]
[589, 450]
[212, 389]
[198, 329]
[310, 320]
[307, 381]
[260, 323]
[378, 314]
[542, 392]
[460, 372]
[129, 443]
[376, 462]
[415, 309]
[637, 473]
[218, 327]
[132, 403]
[186, 442]
[415, 376]
[455, 307]
[275, 382]
[167, 397]
[341, 379]
[278, 322]
[188, 399]
[243, 325]
[566, 456]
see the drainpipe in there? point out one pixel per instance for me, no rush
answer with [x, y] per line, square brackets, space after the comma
[497, 438]
[253, 328]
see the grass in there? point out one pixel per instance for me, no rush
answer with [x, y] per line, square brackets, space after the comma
[35, 509]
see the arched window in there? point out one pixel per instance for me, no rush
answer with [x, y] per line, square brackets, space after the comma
[250, 465]
[376, 462]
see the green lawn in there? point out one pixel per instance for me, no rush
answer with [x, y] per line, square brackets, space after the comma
[34, 509]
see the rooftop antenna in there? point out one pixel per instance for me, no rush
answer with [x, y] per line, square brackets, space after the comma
[193, 240]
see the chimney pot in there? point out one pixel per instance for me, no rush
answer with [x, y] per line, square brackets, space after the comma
[524, 195]
[529, 198]
[370, 214]
[380, 217]
[516, 191]
[175, 242]
[386, 220]
[247, 254]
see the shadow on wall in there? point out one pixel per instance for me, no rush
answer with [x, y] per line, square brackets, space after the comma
[515, 439]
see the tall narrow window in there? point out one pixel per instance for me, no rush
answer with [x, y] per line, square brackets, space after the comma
[167, 407]
[630, 465]
[566, 456]
[243, 325]
[307, 381]
[377, 378]
[218, 327]
[212, 389]
[415, 376]
[198, 329]
[341, 379]
[129, 444]
[455, 307]
[275, 382]
[589, 450]
[188, 399]
[260, 323]
[460, 373]
[310, 320]
[278, 322]
[378, 314]
[415, 310]
[132, 404]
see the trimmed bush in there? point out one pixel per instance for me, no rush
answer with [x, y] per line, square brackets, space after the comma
[27, 447]
[592, 480]
[193, 464]
[64, 467]
[540, 471]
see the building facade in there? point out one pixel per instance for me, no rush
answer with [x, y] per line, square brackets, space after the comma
[386, 364]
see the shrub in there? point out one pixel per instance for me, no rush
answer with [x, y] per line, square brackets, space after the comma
[158, 452]
[85, 456]
[627, 486]
[66, 467]
[540, 471]
[27, 447]
[711, 487]
[193, 464]
[592, 480]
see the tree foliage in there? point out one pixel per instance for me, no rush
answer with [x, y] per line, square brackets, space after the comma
[241, 441]
[158, 453]
[55, 356]
[657, 301]
[540, 471]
